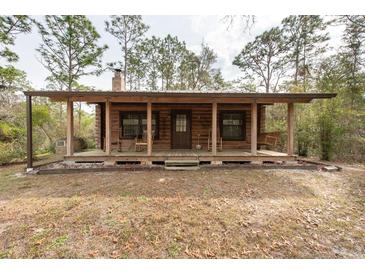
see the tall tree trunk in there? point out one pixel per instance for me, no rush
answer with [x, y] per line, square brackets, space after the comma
[69, 87]
[305, 55]
[130, 82]
[125, 58]
[296, 67]
[305, 69]
[267, 82]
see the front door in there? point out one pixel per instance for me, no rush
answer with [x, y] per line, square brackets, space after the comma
[181, 129]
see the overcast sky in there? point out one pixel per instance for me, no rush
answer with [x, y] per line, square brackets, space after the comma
[191, 29]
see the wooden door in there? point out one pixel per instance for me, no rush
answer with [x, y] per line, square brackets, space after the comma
[181, 129]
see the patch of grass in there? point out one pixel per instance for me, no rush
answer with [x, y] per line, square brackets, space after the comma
[88, 215]
[125, 194]
[36, 243]
[26, 185]
[111, 223]
[5, 254]
[207, 190]
[86, 229]
[58, 242]
[6, 179]
[142, 199]
[72, 203]
[124, 233]
[174, 249]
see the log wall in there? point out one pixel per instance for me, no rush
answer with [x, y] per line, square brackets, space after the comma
[201, 124]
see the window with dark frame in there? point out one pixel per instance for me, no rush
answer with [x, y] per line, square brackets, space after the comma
[133, 123]
[233, 125]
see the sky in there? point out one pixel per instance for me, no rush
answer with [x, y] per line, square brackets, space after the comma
[227, 43]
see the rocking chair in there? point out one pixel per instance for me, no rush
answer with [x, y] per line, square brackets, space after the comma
[219, 141]
[141, 144]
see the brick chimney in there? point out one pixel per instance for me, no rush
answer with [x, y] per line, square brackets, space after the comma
[118, 81]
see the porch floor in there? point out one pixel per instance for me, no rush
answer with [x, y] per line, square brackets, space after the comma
[181, 152]
[162, 155]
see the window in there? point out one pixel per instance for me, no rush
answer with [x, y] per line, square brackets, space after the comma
[133, 124]
[61, 143]
[180, 123]
[232, 125]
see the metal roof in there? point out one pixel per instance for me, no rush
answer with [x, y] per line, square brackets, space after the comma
[180, 93]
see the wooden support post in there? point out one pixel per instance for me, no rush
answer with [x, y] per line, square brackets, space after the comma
[149, 129]
[29, 133]
[70, 128]
[108, 143]
[254, 129]
[214, 128]
[290, 140]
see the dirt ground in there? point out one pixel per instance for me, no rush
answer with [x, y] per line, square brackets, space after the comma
[220, 213]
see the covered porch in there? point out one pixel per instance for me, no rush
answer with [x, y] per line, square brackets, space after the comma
[150, 101]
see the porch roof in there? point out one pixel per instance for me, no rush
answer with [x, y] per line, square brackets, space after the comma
[169, 96]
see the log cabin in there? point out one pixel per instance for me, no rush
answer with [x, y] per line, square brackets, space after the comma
[150, 127]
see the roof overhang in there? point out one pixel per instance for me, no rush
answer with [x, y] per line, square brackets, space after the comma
[179, 97]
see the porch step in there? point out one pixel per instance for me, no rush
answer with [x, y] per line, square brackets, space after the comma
[182, 164]
[182, 167]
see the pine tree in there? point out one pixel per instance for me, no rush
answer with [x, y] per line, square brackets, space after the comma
[129, 31]
[10, 27]
[353, 56]
[69, 49]
[172, 52]
[265, 59]
[305, 35]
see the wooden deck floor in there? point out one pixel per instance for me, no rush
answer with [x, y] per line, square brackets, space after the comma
[181, 152]
[162, 155]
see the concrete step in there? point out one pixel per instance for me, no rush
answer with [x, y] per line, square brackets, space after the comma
[182, 167]
[330, 168]
[182, 163]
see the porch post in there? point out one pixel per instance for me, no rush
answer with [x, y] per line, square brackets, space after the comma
[254, 128]
[70, 128]
[108, 143]
[214, 128]
[29, 133]
[149, 129]
[290, 140]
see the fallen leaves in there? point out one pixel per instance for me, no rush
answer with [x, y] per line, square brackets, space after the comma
[215, 214]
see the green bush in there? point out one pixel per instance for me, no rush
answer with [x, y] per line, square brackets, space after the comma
[11, 152]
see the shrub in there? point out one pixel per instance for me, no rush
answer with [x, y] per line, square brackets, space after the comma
[11, 152]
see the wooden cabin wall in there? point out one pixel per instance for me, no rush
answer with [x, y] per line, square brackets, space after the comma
[201, 124]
